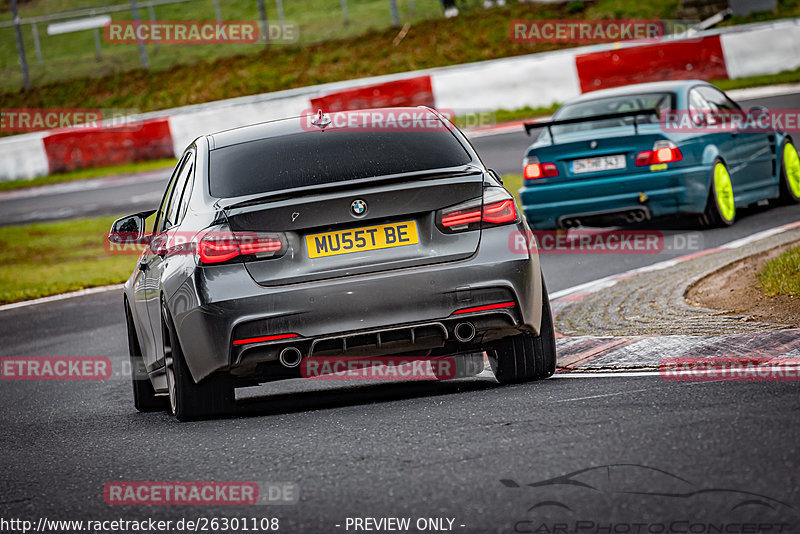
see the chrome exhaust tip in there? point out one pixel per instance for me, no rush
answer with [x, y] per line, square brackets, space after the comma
[290, 357]
[464, 332]
[635, 216]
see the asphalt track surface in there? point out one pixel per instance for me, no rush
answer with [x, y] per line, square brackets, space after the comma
[414, 450]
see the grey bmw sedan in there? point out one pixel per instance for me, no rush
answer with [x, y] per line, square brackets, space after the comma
[375, 232]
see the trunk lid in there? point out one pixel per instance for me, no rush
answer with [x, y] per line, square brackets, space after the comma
[608, 144]
[327, 237]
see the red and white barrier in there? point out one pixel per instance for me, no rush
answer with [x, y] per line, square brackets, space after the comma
[415, 91]
[23, 157]
[80, 148]
[534, 80]
[509, 83]
[767, 50]
[186, 125]
[678, 60]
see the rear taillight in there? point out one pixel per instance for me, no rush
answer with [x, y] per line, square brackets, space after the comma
[259, 246]
[217, 249]
[497, 207]
[663, 152]
[220, 246]
[500, 212]
[534, 171]
[461, 217]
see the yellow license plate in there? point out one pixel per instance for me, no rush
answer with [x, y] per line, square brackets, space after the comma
[360, 239]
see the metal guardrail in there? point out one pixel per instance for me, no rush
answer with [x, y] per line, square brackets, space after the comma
[17, 22]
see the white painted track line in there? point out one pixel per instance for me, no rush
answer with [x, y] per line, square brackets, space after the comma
[62, 296]
[608, 281]
[789, 371]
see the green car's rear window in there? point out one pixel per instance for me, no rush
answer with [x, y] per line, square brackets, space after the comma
[616, 104]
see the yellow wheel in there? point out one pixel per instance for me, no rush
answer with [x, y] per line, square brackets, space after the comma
[720, 208]
[790, 173]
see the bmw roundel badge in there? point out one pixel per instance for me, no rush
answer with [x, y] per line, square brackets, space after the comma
[358, 208]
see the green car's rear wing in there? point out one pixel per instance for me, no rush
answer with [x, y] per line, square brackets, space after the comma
[548, 124]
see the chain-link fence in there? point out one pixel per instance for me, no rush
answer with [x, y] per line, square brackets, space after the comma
[38, 47]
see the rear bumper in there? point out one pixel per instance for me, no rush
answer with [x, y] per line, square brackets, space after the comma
[680, 190]
[226, 304]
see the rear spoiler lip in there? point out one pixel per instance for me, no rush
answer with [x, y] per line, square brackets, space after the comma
[547, 124]
[468, 169]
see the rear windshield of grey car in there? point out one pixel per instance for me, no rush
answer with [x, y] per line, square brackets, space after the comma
[314, 158]
[614, 104]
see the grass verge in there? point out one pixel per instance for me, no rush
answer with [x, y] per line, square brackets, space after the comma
[85, 174]
[198, 74]
[500, 116]
[73, 54]
[787, 76]
[38, 260]
[475, 35]
[781, 276]
[513, 182]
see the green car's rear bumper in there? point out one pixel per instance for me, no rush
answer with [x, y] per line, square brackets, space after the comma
[654, 193]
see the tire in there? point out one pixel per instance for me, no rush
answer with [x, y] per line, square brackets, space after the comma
[525, 357]
[144, 396]
[467, 365]
[790, 174]
[720, 208]
[213, 396]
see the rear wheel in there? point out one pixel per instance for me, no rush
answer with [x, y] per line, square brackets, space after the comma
[790, 174]
[144, 396]
[720, 207]
[525, 357]
[214, 395]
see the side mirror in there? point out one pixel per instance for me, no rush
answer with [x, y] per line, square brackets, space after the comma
[759, 120]
[130, 229]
